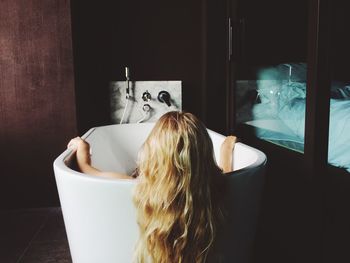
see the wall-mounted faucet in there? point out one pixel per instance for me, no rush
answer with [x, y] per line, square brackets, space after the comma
[147, 102]
[146, 108]
[164, 97]
[146, 112]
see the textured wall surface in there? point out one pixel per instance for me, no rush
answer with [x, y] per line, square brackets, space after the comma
[37, 108]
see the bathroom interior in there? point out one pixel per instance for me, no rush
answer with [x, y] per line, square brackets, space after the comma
[272, 72]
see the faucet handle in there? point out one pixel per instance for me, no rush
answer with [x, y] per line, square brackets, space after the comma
[146, 108]
[164, 97]
[146, 96]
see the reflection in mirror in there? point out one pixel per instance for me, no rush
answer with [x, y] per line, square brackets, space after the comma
[339, 118]
[270, 82]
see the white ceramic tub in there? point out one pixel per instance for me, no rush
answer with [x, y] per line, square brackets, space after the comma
[99, 215]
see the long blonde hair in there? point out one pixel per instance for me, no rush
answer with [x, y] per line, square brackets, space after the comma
[176, 191]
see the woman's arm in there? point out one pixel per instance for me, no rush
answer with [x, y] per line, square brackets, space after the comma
[84, 161]
[226, 154]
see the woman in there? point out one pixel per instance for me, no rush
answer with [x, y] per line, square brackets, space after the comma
[178, 194]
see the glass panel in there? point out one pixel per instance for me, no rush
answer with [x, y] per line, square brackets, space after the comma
[271, 77]
[339, 128]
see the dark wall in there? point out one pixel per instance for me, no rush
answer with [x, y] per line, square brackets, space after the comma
[271, 32]
[339, 42]
[162, 40]
[158, 40]
[92, 48]
[37, 112]
[216, 41]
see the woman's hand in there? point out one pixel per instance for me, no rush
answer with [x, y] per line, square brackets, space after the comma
[226, 153]
[82, 149]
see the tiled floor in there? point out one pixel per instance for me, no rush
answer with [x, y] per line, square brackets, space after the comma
[33, 236]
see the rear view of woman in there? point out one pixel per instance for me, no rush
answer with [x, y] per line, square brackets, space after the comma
[178, 194]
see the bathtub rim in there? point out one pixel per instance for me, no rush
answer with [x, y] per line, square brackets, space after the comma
[261, 159]
[60, 163]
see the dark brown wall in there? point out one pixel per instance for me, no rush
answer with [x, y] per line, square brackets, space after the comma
[162, 40]
[157, 39]
[37, 109]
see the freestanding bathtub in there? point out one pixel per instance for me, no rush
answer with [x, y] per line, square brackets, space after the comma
[99, 215]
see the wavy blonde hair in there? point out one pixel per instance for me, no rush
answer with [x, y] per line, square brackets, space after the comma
[176, 192]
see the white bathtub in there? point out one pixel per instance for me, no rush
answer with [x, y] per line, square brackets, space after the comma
[99, 215]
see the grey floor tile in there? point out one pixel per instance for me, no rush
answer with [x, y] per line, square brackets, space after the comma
[47, 252]
[17, 229]
[50, 245]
